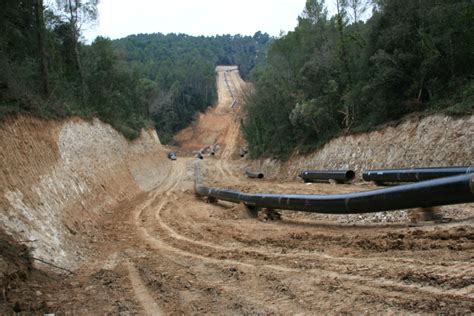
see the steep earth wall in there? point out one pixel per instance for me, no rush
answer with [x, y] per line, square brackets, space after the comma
[435, 140]
[58, 178]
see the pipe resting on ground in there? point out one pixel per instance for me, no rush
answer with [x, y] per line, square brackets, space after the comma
[443, 191]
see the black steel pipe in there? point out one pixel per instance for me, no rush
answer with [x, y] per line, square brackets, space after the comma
[437, 192]
[414, 174]
[254, 175]
[326, 175]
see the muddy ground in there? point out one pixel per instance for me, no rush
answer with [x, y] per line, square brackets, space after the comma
[168, 251]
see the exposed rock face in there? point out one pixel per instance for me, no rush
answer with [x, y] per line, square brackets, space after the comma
[57, 178]
[436, 140]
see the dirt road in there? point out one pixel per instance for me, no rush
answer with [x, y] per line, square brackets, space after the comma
[170, 252]
[219, 126]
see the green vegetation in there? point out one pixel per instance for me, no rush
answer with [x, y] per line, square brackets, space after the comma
[178, 71]
[135, 82]
[331, 75]
[45, 70]
[340, 74]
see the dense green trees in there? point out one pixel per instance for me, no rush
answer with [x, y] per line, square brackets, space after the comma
[19, 62]
[138, 81]
[330, 75]
[341, 74]
[46, 71]
[178, 71]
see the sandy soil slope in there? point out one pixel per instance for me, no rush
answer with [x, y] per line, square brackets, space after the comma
[167, 251]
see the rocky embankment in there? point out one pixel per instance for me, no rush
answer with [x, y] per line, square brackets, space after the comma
[435, 140]
[58, 179]
[417, 141]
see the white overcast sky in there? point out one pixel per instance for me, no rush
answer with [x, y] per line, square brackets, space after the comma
[119, 18]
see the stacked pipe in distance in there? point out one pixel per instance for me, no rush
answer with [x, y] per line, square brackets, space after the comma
[254, 175]
[437, 192]
[414, 174]
[340, 176]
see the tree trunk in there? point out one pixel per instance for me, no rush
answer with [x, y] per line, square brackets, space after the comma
[75, 39]
[345, 62]
[43, 53]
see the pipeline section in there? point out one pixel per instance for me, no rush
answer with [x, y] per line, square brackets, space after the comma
[254, 175]
[326, 175]
[414, 174]
[437, 192]
[234, 100]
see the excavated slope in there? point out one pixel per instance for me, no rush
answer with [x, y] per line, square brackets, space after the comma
[58, 179]
[168, 252]
[435, 140]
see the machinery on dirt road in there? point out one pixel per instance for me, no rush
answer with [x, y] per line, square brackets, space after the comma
[172, 156]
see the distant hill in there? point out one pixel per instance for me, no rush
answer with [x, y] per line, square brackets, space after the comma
[179, 70]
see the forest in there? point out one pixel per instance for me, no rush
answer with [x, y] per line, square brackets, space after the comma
[178, 71]
[143, 80]
[371, 62]
[343, 74]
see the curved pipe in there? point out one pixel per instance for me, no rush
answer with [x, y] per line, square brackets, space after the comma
[254, 175]
[414, 174]
[444, 191]
[326, 175]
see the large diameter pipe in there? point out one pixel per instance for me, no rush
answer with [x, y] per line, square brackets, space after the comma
[414, 174]
[326, 175]
[437, 192]
[254, 175]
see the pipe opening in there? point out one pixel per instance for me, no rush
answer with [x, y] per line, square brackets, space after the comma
[254, 175]
[350, 175]
[340, 176]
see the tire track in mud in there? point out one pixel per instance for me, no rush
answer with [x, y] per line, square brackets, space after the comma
[246, 251]
[230, 141]
[164, 239]
[141, 292]
[159, 238]
[232, 134]
[228, 174]
[286, 277]
[160, 245]
[431, 268]
[238, 87]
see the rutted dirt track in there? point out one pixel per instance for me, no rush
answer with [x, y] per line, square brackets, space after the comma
[169, 252]
[220, 125]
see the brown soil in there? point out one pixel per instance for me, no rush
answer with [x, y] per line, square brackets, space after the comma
[169, 252]
[219, 126]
